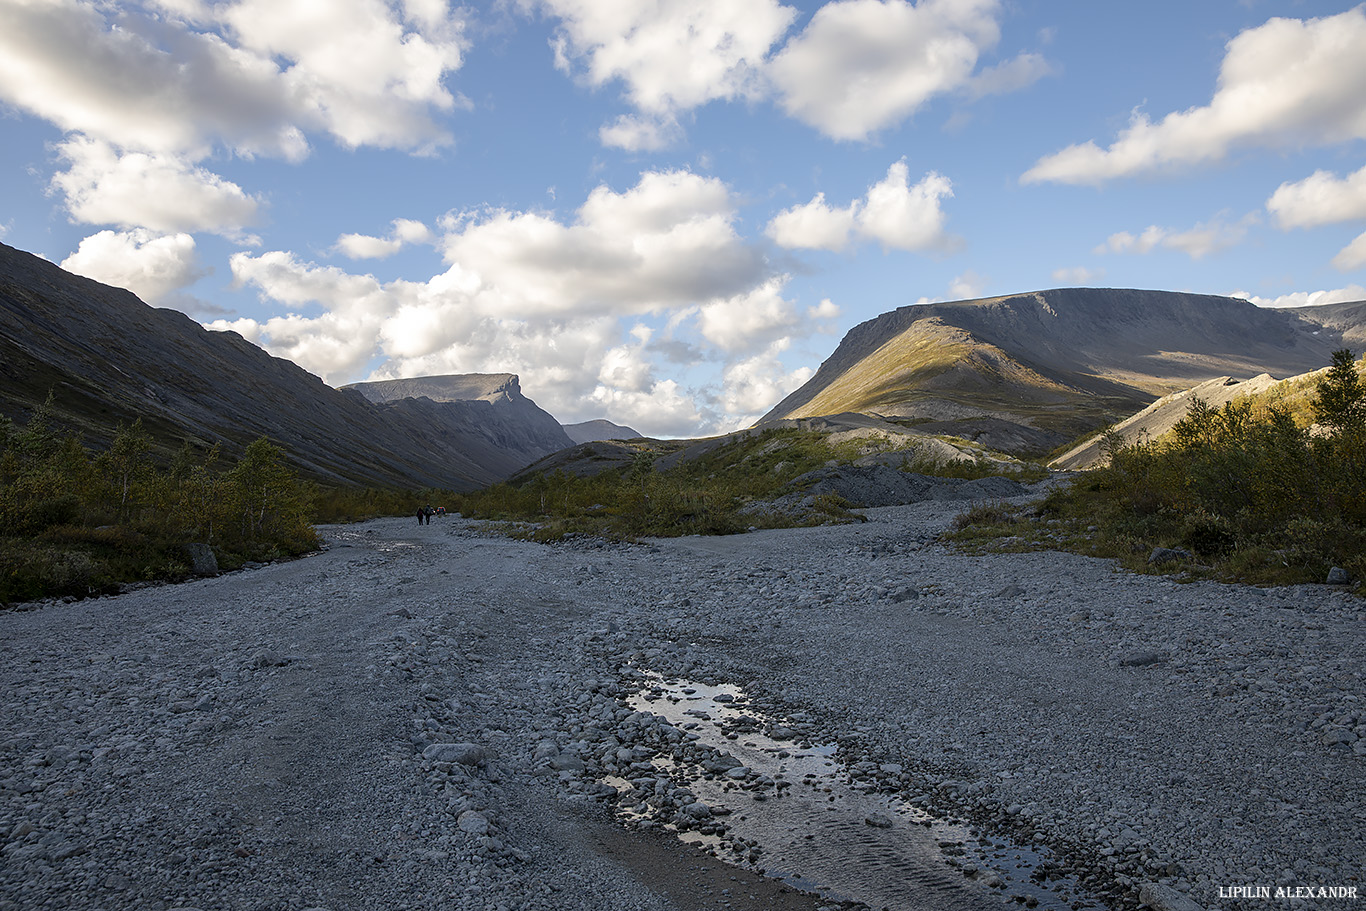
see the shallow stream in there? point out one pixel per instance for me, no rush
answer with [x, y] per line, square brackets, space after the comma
[794, 810]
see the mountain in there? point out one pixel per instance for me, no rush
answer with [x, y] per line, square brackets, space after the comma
[594, 431]
[1027, 373]
[486, 416]
[107, 358]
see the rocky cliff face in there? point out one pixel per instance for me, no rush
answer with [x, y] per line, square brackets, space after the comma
[1029, 372]
[107, 357]
[484, 414]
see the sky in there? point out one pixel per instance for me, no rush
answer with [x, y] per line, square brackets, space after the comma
[667, 213]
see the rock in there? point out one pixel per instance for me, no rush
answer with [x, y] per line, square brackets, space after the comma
[877, 821]
[266, 658]
[567, 762]
[1142, 659]
[202, 559]
[1164, 898]
[1163, 555]
[1339, 576]
[1010, 591]
[469, 754]
[473, 822]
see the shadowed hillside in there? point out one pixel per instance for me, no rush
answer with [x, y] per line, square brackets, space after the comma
[106, 357]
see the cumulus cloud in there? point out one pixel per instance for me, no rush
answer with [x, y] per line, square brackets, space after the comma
[671, 55]
[154, 191]
[1351, 293]
[892, 212]
[1078, 275]
[1288, 83]
[367, 246]
[251, 75]
[1323, 198]
[640, 133]
[862, 65]
[814, 225]
[967, 286]
[1352, 256]
[151, 266]
[580, 307]
[1198, 242]
[754, 385]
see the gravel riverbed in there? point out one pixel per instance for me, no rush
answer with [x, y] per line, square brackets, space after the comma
[441, 717]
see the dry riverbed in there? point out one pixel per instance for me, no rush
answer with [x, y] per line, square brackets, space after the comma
[439, 717]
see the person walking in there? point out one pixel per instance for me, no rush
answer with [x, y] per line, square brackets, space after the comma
[422, 517]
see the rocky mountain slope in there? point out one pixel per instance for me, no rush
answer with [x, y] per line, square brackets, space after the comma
[106, 357]
[1027, 373]
[484, 415]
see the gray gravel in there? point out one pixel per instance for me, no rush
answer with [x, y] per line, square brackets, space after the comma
[420, 718]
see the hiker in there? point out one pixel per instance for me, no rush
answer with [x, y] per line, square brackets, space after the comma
[422, 516]
[430, 512]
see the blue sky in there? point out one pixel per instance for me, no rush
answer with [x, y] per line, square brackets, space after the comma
[668, 212]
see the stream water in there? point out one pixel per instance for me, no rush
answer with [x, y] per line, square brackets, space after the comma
[807, 819]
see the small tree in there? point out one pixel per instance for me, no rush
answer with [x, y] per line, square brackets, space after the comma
[1341, 400]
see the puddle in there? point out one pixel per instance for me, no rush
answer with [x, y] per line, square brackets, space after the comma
[794, 811]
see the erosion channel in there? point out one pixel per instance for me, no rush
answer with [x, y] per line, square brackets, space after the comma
[441, 717]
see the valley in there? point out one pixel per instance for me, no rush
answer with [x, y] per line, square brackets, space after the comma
[444, 717]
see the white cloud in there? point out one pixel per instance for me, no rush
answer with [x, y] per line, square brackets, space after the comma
[367, 75]
[672, 55]
[155, 191]
[1078, 275]
[640, 134]
[253, 75]
[1198, 242]
[367, 246]
[862, 65]
[580, 308]
[1289, 83]
[754, 385]
[896, 215]
[1352, 256]
[1321, 198]
[814, 226]
[1010, 76]
[151, 266]
[904, 217]
[757, 317]
[967, 286]
[1351, 293]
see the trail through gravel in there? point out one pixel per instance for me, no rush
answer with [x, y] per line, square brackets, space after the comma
[438, 717]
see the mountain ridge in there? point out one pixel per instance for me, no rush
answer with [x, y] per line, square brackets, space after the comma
[1026, 373]
[109, 358]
